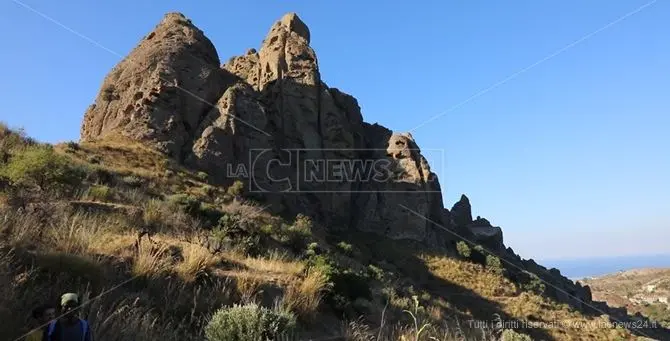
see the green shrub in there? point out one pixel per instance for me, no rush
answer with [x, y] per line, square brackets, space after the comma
[312, 249]
[511, 335]
[345, 284]
[493, 263]
[40, 166]
[463, 249]
[133, 181]
[345, 247]
[11, 140]
[376, 272]
[249, 322]
[235, 189]
[233, 231]
[71, 146]
[188, 203]
[100, 175]
[297, 234]
[208, 190]
[94, 159]
[478, 255]
[100, 193]
[533, 284]
[202, 176]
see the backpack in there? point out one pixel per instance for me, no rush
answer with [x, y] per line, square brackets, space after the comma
[52, 327]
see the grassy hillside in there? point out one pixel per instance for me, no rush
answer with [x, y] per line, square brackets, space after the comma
[643, 291]
[156, 251]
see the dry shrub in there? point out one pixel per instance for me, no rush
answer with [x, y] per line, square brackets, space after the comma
[76, 234]
[162, 217]
[276, 262]
[151, 261]
[248, 286]
[152, 213]
[100, 193]
[196, 262]
[304, 296]
[248, 211]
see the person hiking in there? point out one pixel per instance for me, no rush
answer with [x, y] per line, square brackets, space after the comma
[69, 327]
[42, 316]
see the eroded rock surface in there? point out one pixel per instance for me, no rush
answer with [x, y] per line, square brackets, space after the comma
[268, 118]
[160, 92]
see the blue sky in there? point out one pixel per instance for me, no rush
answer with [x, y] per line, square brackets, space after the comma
[570, 158]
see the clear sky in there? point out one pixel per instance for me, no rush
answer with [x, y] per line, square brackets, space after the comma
[571, 157]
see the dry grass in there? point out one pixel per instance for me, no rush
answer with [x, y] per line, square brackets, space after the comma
[524, 306]
[303, 296]
[276, 263]
[471, 276]
[112, 244]
[122, 156]
[197, 260]
[248, 286]
[79, 245]
[151, 261]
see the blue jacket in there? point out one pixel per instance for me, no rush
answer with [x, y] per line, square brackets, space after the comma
[55, 331]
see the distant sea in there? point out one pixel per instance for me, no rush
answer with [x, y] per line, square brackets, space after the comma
[592, 267]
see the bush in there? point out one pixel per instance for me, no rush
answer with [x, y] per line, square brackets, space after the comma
[232, 230]
[193, 207]
[493, 263]
[463, 249]
[188, 203]
[533, 284]
[133, 181]
[11, 140]
[511, 335]
[345, 247]
[249, 322]
[297, 235]
[71, 146]
[346, 285]
[40, 166]
[94, 159]
[208, 190]
[376, 272]
[235, 189]
[202, 176]
[100, 193]
[152, 213]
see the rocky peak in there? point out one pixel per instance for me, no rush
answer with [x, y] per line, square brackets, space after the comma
[292, 23]
[159, 93]
[461, 212]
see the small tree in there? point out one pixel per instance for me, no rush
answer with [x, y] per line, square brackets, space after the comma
[40, 166]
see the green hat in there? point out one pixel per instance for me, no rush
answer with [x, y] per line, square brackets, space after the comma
[69, 297]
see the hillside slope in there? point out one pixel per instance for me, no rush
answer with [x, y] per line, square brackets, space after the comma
[643, 291]
[144, 218]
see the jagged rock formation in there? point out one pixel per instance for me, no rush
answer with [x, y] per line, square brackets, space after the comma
[160, 91]
[268, 117]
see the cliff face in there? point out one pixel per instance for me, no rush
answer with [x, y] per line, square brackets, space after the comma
[267, 117]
